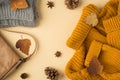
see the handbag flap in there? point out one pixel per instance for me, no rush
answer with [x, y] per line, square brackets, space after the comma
[12, 59]
[8, 58]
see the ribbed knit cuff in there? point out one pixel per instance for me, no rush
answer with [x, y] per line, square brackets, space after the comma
[112, 24]
[75, 69]
[78, 36]
[13, 23]
[93, 51]
[87, 10]
[110, 59]
[82, 29]
[94, 35]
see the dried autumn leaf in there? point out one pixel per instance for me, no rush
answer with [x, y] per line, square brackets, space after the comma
[95, 67]
[18, 4]
[23, 45]
[91, 19]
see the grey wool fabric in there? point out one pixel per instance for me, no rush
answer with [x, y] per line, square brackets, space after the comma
[20, 17]
[4, 1]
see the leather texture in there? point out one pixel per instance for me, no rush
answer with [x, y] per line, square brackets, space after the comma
[8, 58]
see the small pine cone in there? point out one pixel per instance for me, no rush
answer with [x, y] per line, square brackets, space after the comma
[71, 4]
[51, 73]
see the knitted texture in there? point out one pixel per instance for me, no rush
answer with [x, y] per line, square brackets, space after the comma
[101, 41]
[21, 17]
[112, 27]
[83, 30]
[75, 68]
[111, 22]
[4, 1]
[109, 58]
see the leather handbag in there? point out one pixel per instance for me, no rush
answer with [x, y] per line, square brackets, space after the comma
[11, 59]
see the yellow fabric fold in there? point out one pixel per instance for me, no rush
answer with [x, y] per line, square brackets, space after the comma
[102, 41]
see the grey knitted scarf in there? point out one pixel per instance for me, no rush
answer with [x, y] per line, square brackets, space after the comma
[4, 1]
[21, 17]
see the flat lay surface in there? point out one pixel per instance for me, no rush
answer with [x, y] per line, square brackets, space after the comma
[55, 26]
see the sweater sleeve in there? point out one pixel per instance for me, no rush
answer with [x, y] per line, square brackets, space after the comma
[108, 57]
[75, 68]
[94, 51]
[81, 30]
[112, 27]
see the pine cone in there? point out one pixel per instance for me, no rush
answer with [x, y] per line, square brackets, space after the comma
[51, 73]
[71, 4]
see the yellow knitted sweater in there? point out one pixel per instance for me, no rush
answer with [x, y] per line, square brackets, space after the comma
[102, 41]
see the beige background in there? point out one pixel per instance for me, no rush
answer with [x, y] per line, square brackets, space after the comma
[54, 28]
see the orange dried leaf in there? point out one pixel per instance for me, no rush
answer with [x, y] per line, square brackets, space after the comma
[18, 4]
[95, 67]
[23, 45]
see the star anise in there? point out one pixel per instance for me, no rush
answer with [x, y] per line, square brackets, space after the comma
[50, 4]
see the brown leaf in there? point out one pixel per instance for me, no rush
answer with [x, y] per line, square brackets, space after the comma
[18, 4]
[23, 45]
[95, 67]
